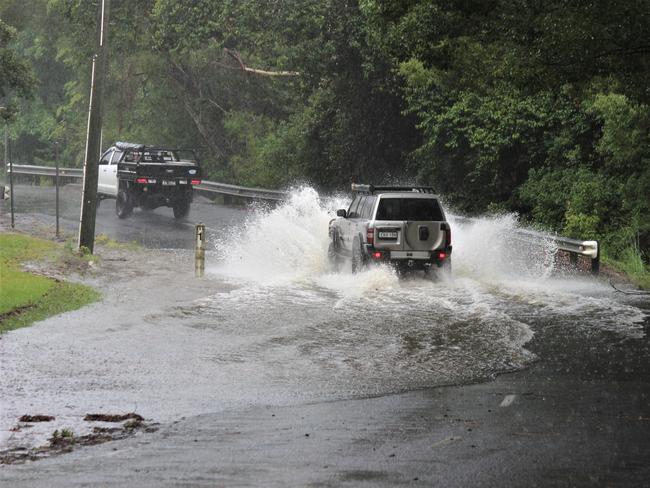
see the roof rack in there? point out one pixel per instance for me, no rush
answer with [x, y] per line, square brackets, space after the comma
[125, 146]
[372, 189]
[129, 146]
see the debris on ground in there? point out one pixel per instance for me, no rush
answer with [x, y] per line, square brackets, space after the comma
[104, 417]
[36, 418]
[64, 440]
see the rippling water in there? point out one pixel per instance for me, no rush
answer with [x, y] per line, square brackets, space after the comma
[276, 326]
[374, 332]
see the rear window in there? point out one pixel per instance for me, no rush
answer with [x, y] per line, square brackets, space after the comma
[414, 209]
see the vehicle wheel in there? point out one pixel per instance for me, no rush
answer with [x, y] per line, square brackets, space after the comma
[333, 257]
[123, 205]
[357, 259]
[181, 209]
[444, 271]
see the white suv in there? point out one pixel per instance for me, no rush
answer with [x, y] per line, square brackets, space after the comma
[404, 226]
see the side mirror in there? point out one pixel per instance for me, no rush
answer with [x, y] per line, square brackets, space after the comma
[341, 213]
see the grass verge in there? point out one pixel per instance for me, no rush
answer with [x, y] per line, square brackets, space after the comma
[631, 263]
[27, 297]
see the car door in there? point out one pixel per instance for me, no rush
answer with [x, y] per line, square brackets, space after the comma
[112, 172]
[103, 179]
[346, 225]
[423, 219]
[410, 224]
[354, 219]
[389, 225]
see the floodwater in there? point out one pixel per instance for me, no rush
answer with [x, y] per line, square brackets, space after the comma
[372, 333]
[271, 324]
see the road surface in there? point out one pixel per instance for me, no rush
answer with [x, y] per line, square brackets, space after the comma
[274, 371]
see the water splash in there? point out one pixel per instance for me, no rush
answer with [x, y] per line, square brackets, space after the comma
[283, 244]
[289, 244]
[492, 249]
[493, 264]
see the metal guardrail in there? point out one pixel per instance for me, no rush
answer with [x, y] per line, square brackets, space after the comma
[208, 186]
[241, 191]
[575, 247]
[46, 171]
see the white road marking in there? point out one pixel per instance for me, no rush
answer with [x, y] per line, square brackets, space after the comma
[445, 441]
[507, 401]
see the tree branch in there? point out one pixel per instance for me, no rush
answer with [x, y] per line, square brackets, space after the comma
[194, 115]
[235, 55]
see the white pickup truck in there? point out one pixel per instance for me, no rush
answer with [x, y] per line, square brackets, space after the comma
[148, 177]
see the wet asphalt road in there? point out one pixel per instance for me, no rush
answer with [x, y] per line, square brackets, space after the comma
[578, 416]
[153, 229]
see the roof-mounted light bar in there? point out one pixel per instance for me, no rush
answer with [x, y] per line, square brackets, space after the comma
[371, 189]
[362, 188]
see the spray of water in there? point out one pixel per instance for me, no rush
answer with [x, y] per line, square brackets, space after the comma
[287, 245]
[284, 244]
[490, 249]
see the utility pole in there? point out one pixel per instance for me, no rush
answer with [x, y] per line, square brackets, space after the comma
[93, 135]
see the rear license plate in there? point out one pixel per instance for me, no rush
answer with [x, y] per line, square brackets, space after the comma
[423, 255]
[169, 183]
[388, 234]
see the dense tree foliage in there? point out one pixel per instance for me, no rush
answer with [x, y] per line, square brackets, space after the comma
[539, 107]
[16, 79]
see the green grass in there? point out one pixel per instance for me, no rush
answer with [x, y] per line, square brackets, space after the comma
[25, 297]
[20, 289]
[631, 263]
[108, 243]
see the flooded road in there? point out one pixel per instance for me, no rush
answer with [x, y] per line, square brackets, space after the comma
[271, 327]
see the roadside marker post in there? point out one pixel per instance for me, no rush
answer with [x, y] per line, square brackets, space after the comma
[11, 178]
[199, 251]
[56, 183]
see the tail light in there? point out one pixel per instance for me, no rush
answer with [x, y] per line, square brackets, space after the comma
[195, 182]
[370, 236]
[447, 230]
[377, 255]
[442, 255]
[141, 180]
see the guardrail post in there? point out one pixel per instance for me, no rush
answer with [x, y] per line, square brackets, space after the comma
[199, 251]
[595, 262]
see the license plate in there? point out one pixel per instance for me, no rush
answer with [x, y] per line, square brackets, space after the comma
[388, 235]
[424, 255]
[169, 183]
